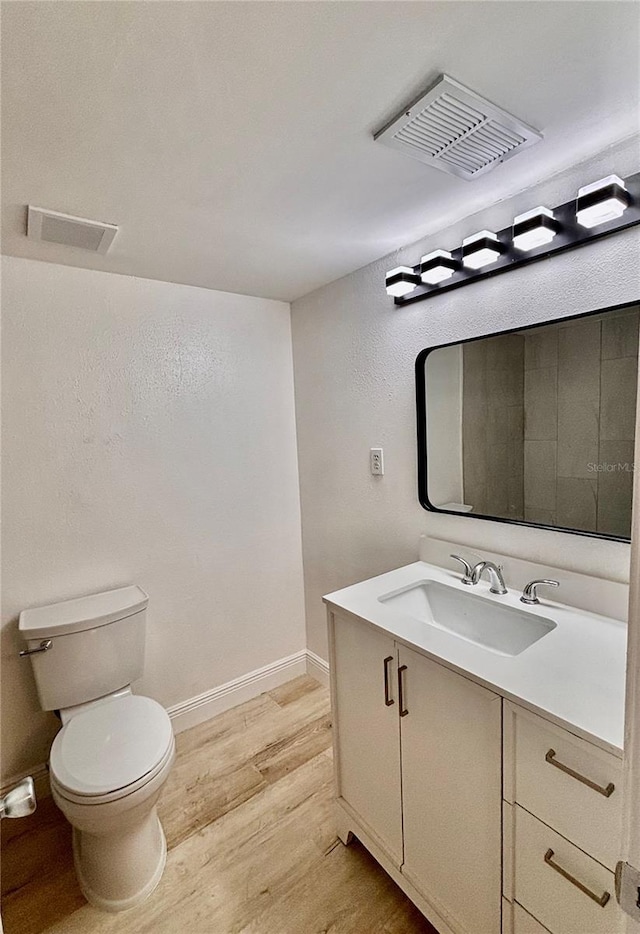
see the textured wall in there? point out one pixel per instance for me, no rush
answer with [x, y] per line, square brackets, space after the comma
[149, 436]
[354, 356]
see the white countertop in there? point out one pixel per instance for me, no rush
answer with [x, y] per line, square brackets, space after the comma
[574, 675]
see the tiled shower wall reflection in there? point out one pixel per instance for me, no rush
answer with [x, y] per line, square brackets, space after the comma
[580, 407]
[565, 396]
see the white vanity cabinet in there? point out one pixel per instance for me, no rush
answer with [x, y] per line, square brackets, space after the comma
[418, 772]
[481, 769]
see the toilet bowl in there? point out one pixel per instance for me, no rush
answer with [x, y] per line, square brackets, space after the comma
[108, 766]
[113, 755]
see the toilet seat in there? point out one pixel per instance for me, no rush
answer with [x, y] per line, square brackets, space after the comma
[111, 750]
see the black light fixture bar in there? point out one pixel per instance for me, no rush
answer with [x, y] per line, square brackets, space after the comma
[570, 234]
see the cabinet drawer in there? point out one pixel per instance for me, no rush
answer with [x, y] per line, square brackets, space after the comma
[544, 891]
[552, 775]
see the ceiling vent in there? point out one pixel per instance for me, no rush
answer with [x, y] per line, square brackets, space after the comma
[79, 232]
[457, 131]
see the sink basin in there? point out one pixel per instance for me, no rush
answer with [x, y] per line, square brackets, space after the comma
[504, 629]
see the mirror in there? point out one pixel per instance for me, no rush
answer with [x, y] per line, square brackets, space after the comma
[534, 426]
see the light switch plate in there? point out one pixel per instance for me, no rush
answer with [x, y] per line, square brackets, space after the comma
[628, 889]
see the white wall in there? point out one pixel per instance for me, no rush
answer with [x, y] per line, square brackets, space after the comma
[149, 437]
[354, 354]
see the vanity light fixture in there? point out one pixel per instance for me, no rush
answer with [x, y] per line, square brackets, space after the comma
[437, 266]
[481, 249]
[534, 228]
[401, 280]
[602, 201]
[603, 208]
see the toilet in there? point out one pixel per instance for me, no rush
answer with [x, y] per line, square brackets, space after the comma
[113, 755]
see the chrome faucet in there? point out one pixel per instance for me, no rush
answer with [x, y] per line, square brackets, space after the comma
[530, 595]
[495, 576]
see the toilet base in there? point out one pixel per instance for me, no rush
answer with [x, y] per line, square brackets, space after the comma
[118, 871]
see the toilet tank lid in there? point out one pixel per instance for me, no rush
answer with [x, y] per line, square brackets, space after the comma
[60, 619]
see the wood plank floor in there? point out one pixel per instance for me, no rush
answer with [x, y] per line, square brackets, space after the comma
[252, 845]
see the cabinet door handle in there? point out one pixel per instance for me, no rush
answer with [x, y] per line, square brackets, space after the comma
[598, 899]
[606, 792]
[389, 701]
[403, 709]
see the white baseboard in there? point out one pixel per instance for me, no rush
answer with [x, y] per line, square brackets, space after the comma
[198, 709]
[317, 668]
[205, 706]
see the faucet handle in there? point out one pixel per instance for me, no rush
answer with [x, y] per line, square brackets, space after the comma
[468, 570]
[530, 595]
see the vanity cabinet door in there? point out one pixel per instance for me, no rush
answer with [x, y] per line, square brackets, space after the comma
[366, 729]
[451, 779]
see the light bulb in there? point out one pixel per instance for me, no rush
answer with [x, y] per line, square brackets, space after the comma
[601, 201]
[481, 249]
[401, 280]
[534, 228]
[437, 266]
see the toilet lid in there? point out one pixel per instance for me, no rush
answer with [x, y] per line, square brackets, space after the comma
[111, 745]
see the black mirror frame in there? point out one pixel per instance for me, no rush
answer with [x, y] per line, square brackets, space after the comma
[421, 412]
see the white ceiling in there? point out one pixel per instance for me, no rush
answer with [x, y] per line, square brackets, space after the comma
[232, 141]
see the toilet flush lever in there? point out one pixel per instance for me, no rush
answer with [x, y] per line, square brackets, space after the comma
[44, 646]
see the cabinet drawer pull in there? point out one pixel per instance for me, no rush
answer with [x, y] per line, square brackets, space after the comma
[551, 759]
[403, 709]
[388, 700]
[598, 899]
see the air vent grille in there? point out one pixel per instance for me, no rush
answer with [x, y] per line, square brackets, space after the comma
[54, 227]
[457, 131]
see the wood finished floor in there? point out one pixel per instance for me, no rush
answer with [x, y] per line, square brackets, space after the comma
[252, 845]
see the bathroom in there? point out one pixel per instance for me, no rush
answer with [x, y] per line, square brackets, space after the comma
[193, 413]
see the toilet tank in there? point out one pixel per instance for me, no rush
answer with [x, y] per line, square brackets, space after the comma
[97, 645]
